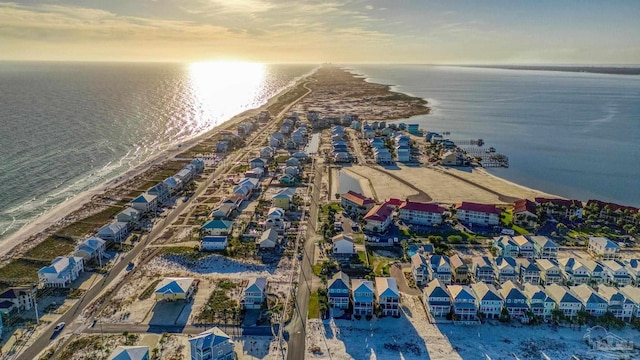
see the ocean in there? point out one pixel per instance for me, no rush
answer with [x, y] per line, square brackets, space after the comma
[68, 127]
[573, 134]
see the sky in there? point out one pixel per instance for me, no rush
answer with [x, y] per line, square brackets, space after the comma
[339, 31]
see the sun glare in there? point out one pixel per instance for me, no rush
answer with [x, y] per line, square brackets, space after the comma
[222, 89]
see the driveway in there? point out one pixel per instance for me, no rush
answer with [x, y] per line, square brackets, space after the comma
[397, 273]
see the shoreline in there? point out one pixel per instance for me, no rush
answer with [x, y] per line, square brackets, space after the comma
[57, 214]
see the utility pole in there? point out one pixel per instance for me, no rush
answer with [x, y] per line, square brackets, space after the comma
[35, 303]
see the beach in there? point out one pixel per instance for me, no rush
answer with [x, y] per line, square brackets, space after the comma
[79, 206]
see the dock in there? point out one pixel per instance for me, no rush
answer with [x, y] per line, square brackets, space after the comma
[487, 157]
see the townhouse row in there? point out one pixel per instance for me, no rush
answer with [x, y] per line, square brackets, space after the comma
[363, 296]
[481, 300]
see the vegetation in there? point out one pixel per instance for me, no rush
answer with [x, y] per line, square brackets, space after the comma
[148, 291]
[50, 248]
[220, 308]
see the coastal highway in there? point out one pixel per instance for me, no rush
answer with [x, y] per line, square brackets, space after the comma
[231, 330]
[94, 292]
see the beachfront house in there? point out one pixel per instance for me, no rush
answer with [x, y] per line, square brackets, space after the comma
[488, 300]
[549, 272]
[116, 231]
[362, 291]
[256, 163]
[592, 302]
[478, 214]
[294, 162]
[596, 271]
[216, 227]
[174, 185]
[539, 302]
[212, 344]
[174, 288]
[440, 268]
[515, 301]
[19, 297]
[524, 213]
[528, 272]
[544, 248]
[419, 269]
[91, 248]
[565, 300]
[464, 302]
[418, 213]
[436, 299]
[388, 296]
[266, 152]
[161, 191]
[213, 243]
[130, 216]
[560, 208]
[338, 291]
[255, 293]
[378, 219]
[223, 211]
[482, 269]
[145, 203]
[62, 271]
[603, 249]
[354, 202]
[505, 269]
[618, 304]
[130, 353]
[632, 293]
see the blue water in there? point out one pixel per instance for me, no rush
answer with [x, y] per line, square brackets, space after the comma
[67, 127]
[572, 134]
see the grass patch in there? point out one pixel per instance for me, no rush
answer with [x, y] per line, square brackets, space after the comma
[50, 248]
[336, 207]
[359, 240]
[317, 269]
[21, 271]
[380, 265]
[282, 159]
[363, 257]
[148, 291]
[219, 306]
[86, 343]
[314, 305]
[227, 285]
[189, 252]
[89, 224]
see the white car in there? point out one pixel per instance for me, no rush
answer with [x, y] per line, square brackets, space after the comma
[59, 326]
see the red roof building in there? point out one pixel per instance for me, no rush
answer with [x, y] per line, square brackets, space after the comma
[419, 213]
[479, 214]
[355, 202]
[525, 213]
[378, 218]
[561, 207]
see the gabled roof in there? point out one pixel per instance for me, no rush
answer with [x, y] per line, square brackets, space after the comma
[482, 261]
[359, 285]
[275, 211]
[592, 266]
[284, 193]
[342, 237]
[129, 353]
[15, 292]
[439, 260]
[586, 295]
[387, 286]
[435, 288]
[522, 240]
[209, 338]
[339, 280]
[631, 292]
[113, 228]
[459, 292]
[543, 241]
[509, 290]
[610, 293]
[217, 224]
[456, 261]
[257, 160]
[144, 198]
[504, 241]
[524, 205]
[535, 292]
[527, 266]
[172, 182]
[174, 286]
[545, 264]
[259, 284]
[357, 198]
[269, 235]
[503, 262]
[485, 292]
[61, 265]
[422, 207]
[93, 243]
[379, 213]
[604, 242]
[484, 208]
[614, 265]
[417, 260]
[561, 294]
[131, 212]
[393, 202]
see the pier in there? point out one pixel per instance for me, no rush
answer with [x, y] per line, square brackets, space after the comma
[488, 158]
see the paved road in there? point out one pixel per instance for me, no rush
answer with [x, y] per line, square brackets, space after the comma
[68, 317]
